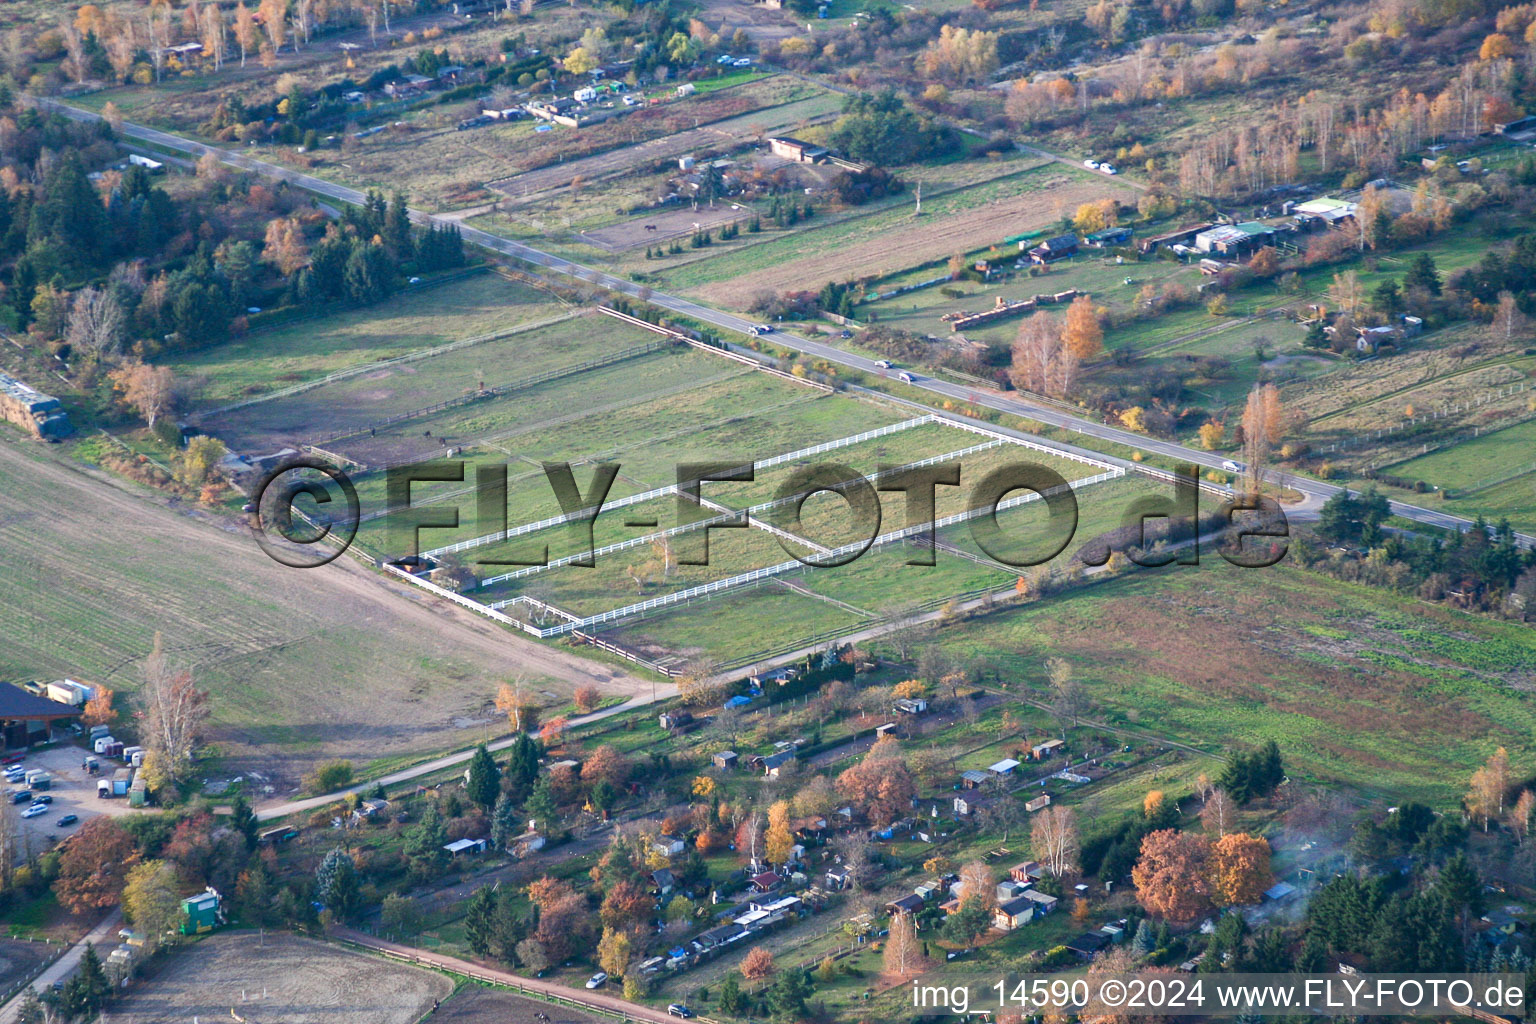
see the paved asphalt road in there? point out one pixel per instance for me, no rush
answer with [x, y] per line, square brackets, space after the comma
[103, 937]
[730, 322]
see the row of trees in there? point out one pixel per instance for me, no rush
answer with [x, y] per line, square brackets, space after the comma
[1048, 351]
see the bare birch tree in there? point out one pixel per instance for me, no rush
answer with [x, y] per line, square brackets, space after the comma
[175, 711]
[1054, 839]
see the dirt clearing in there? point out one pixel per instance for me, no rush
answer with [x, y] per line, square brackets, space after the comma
[722, 134]
[665, 226]
[280, 980]
[847, 251]
[475, 1005]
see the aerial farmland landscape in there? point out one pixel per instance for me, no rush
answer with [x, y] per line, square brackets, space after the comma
[790, 511]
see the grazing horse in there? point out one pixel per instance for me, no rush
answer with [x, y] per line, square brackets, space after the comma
[650, 227]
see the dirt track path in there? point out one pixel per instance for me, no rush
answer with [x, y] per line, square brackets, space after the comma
[613, 1005]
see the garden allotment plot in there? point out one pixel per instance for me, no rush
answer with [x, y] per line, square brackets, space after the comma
[644, 546]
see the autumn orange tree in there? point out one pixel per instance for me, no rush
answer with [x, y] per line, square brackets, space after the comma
[1263, 426]
[285, 247]
[99, 710]
[902, 957]
[513, 700]
[780, 840]
[1490, 787]
[627, 905]
[1042, 361]
[587, 698]
[880, 784]
[757, 964]
[95, 865]
[606, 763]
[1240, 870]
[1083, 334]
[976, 883]
[1172, 875]
[1211, 432]
[148, 390]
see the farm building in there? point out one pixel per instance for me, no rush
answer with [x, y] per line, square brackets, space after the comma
[667, 846]
[1088, 944]
[1026, 872]
[774, 763]
[25, 719]
[1325, 209]
[1041, 751]
[410, 85]
[1039, 803]
[276, 835]
[38, 414]
[1235, 240]
[1003, 767]
[778, 677]
[470, 846]
[906, 905]
[664, 880]
[201, 913]
[1109, 236]
[1170, 238]
[796, 150]
[973, 779]
[676, 721]
[909, 706]
[1044, 902]
[1053, 249]
[725, 760]
[967, 804]
[1014, 913]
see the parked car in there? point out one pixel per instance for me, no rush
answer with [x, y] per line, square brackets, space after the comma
[42, 798]
[1108, 169]
[34, 811]
[23, 796]
[13, 758]
[724, 58]
[742, 62]
[1092, 165]
[631, 101]
[845, 334]
[597, 980]
[679, 1010]
[69, 819]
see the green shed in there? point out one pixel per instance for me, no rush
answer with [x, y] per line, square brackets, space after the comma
[201, 913]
